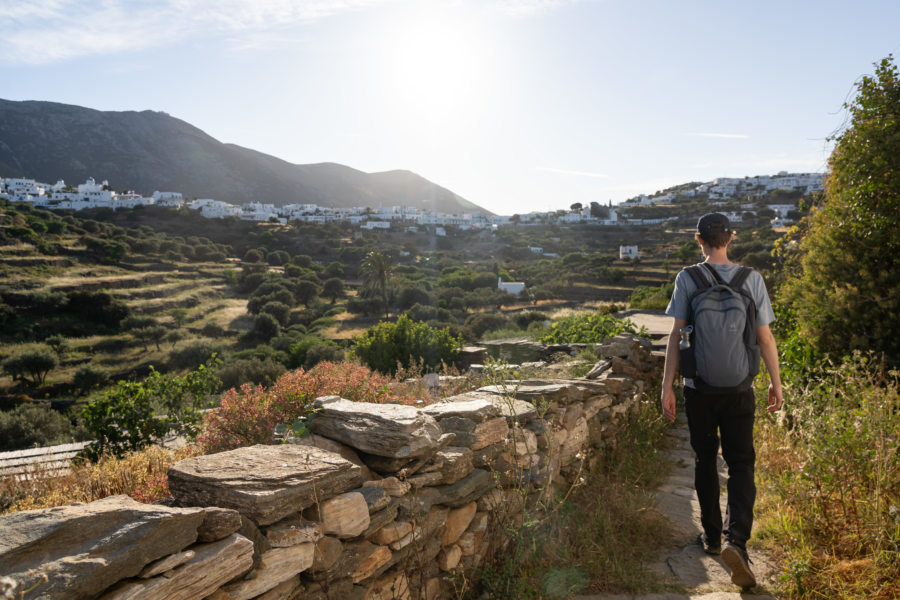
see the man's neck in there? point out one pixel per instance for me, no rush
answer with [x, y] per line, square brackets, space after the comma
[718, 256]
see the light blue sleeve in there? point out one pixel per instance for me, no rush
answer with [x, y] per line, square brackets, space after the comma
[678, 305]
[764, 312]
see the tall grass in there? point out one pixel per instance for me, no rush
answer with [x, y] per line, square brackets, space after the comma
[830, 484]
[141, 475]
[598, 538]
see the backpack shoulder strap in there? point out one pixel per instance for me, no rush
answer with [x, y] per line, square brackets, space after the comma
[737, 282]
[697, 276]
[715, 274]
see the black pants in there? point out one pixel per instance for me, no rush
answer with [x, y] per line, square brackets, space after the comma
[730, 415]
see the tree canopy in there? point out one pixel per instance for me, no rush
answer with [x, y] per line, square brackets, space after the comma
[847, 291]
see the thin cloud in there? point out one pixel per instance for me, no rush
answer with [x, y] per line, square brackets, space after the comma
[576, 173]
[527, 8]
[48, 31]
[725, 136]
[647, 186]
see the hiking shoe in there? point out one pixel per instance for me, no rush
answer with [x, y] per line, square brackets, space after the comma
[708, 546]
[735, 558]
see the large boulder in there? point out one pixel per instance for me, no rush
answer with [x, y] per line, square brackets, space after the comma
[390, 430]
[85, 548]
[263, 483]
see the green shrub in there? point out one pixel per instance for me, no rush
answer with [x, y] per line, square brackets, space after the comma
[364, 306]
[588, 329]
[280, 311]
[526, 318]
[31, 366]
[249, 282]
[32, 425]
[386, 345]
[58, 343]
[419, 312]
[298, 350]
[263, 352]
[101, 308]
[193, 355]
[258, 372]
[265, 327]
[847, 292]
[213, 330]
[652, 298]
[333, 288]
[88, 377]
[136, 414]
[480, 323]
[324, 351]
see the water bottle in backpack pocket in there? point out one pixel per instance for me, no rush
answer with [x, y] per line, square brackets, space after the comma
[686, 352]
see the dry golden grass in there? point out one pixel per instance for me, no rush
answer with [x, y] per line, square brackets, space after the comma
[17, 247]
[141, 475]
[169, 287]
[229, 313]
[340, 332]
[95, 274]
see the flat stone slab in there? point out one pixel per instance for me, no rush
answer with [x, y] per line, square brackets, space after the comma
[85, 548]
[475, 406]
[535, 392]
[389, 430]
[466, 489]
[514, 409]
[263, 483]
[209, 567]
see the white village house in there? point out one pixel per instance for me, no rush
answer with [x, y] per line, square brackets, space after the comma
[510, 287]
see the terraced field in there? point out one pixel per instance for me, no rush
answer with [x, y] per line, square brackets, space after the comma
[148, 289]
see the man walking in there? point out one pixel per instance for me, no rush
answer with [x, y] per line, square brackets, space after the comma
[715, 412]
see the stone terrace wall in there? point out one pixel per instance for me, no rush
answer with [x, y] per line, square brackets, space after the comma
[383, 502]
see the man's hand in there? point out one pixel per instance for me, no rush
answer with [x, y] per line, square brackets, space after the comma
[668, 403]
[775, 398]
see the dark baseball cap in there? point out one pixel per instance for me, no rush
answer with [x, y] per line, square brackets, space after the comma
[712, 223]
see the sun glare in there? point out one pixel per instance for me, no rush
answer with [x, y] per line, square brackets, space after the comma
[433, 67]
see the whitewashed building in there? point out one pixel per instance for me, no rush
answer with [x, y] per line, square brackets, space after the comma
[510, 287]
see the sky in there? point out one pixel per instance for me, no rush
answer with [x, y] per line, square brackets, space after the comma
[516, 105]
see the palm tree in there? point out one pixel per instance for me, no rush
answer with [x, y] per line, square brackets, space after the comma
[376, 273]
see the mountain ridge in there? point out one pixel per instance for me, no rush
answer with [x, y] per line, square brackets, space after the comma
[151, 150]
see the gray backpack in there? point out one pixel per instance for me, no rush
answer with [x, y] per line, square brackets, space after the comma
[723, 354]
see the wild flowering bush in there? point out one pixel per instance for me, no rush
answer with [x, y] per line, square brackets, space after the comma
[249, 415]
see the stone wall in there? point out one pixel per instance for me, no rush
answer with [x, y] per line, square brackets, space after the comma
[382, 502]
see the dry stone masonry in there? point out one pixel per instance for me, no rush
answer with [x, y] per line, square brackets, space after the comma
[384, 501]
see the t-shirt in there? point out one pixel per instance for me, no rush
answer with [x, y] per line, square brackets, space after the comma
[679, 305]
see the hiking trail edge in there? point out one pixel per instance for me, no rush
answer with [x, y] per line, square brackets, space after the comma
[685, 563]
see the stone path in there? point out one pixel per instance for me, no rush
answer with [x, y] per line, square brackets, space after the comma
[657, 323]
[705, 577]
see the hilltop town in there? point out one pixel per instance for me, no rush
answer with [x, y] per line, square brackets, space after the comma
[748, 190]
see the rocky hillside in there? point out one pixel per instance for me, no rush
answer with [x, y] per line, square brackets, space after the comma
[148, 151]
